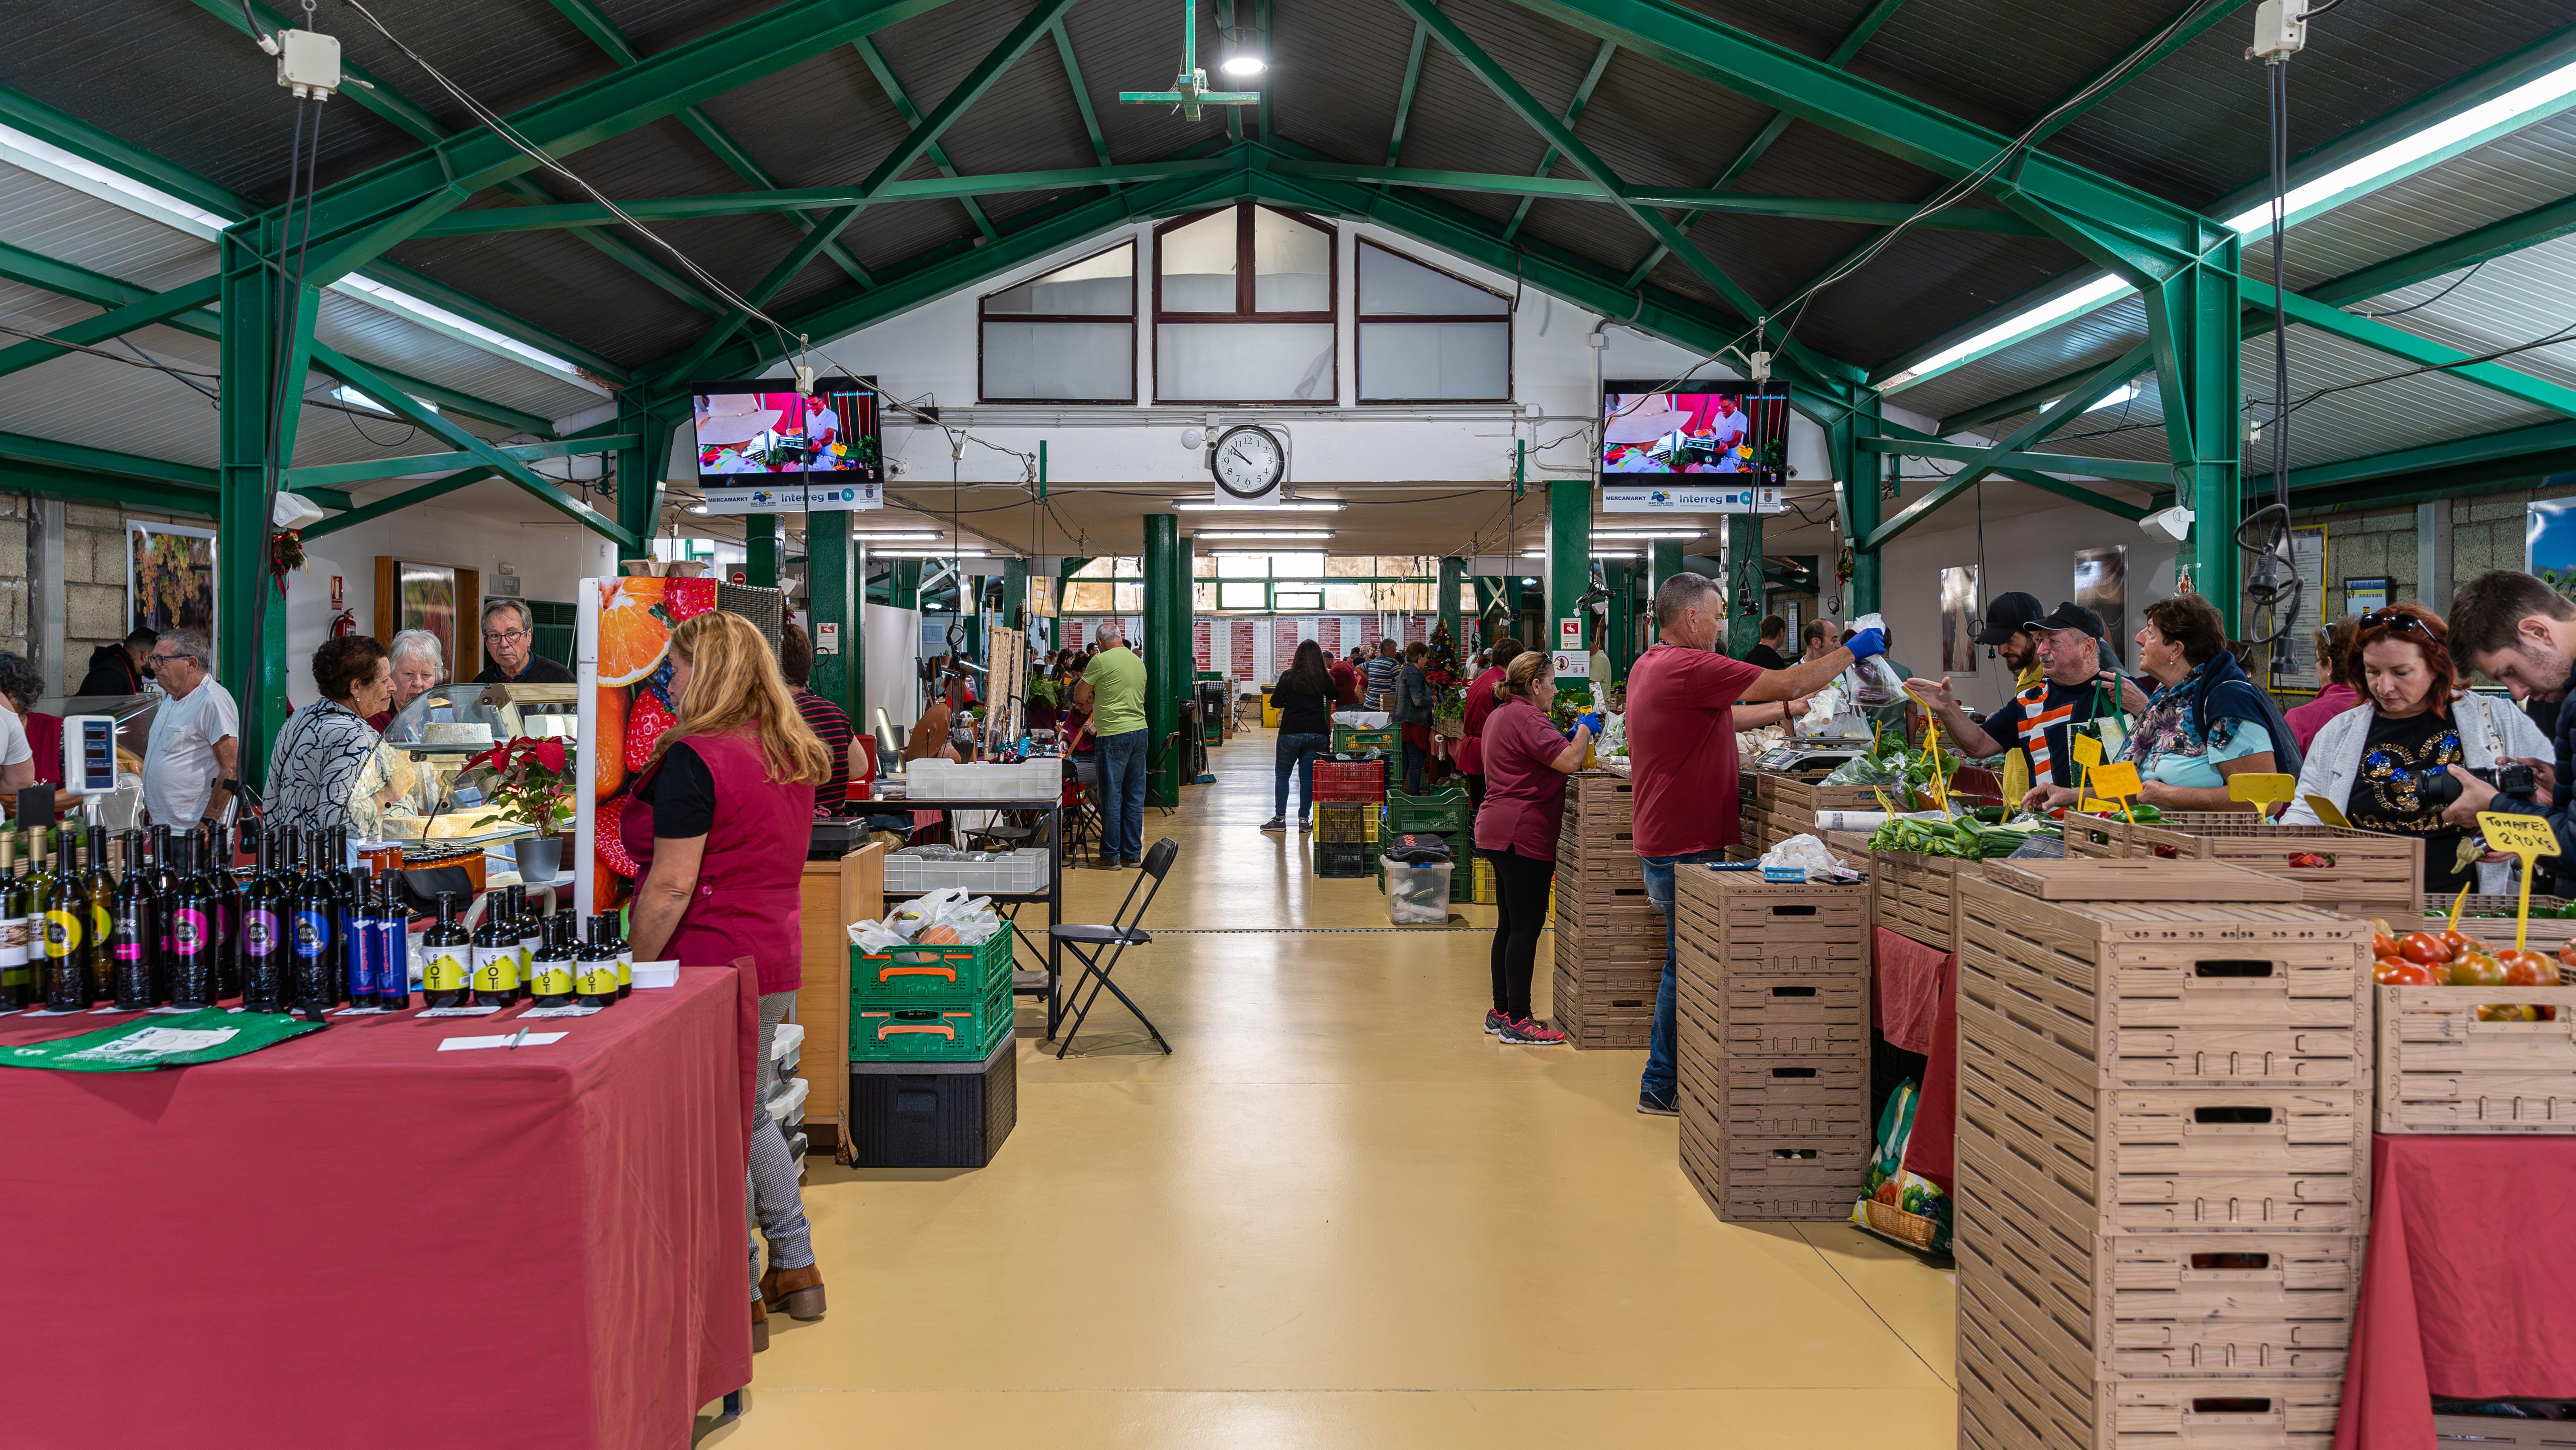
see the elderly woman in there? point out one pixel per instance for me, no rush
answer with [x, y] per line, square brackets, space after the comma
[2370, 761]
[20, 762]
[329, 767]
[2206, 720]
[418, 665]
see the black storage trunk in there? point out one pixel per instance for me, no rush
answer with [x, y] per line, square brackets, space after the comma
[933, 1114]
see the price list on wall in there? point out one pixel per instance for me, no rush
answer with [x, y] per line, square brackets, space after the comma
[1203, 643]
[1239, 659]
[1328, 634]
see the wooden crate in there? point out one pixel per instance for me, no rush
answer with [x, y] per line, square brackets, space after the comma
[2372, 874]
[1917, 896]
[2487, 1432]
[830, 895]
[1773, 1180]
[2092, 994]
[2441, 1070]
[2546, 934]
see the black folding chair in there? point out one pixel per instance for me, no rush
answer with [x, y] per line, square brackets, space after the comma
[1122, 932]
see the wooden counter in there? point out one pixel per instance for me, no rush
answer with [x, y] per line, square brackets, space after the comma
[834, 894]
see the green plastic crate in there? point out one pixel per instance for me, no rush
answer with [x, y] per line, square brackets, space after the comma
[1348, 739]
[1434, 813]
[931, 1029]
[930, 971]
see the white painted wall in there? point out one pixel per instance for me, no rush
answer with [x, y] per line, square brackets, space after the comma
[930, 355]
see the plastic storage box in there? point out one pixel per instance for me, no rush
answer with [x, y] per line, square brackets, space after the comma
[1041, 779]
[998, 873]
[957, 1028]
[943, 971]
[1417, 895]
[934, 1114]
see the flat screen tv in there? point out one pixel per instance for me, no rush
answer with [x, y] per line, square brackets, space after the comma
[754, 429]
[1712, 427]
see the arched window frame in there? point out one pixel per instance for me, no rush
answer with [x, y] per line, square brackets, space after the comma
[984, 314]
[1361, 319]
[1244, 311]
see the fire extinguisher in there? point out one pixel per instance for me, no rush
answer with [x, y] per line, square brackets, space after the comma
[344, 624]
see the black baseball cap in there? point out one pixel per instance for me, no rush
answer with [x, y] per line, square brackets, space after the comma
[2008, 615]
[2072, 616]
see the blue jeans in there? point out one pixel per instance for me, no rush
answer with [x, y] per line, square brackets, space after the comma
[1658, 871]
[1417, 761]
[1122, 796]
[1299, 752]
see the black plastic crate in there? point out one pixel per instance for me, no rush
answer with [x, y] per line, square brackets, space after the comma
[933, 1114]
[1344, 861]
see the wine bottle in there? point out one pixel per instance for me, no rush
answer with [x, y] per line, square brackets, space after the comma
[65, 914]
[496, 955]
[17, 974]
[316, 922]
[215, 866]
[263, 945]
[524, 912]
[188, 917]
[446, 958]
[555, 959]
[595, 970]
[361, 946]
[133, 931]
[101, 885]
[625, 956]
[157, 884]
[391, 923]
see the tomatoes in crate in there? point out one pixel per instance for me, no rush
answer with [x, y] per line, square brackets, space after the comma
[2527, 969]
[2394, 973]
[2477, 971]
[2423, 948]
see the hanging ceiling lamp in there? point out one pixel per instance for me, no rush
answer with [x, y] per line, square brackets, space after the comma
[1242, 52]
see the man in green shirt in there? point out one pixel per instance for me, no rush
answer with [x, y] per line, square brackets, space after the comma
[1113, 689]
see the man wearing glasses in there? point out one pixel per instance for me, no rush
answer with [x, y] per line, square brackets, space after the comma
[196, 737]
[509, 648]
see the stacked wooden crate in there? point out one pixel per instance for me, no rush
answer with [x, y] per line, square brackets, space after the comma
[2163, 1156]
[2334, 868]
[1771, 1018]
[1785, 805]
[1609, 939]
[1918, 896]
[2457, 1059]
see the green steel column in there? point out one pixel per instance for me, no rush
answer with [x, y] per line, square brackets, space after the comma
[903, 584]
[2192, 326]
[835, 571]
[1569, 561]
[1166, 651]
[1743, 583]
[1486, 594]
[639, 469]
[252, 669]
[1621, 577]
[1856, 474]
[1667, 562]
[1015, 596]
[1453, 572]
[760, 534]
[1184, 680]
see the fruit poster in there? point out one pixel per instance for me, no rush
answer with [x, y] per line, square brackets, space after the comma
[624, 663]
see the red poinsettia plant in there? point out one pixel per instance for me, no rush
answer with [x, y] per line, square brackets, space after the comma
[529, 779]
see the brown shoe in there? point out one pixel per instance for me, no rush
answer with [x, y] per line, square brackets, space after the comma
[759, 1326]
[797, 1293]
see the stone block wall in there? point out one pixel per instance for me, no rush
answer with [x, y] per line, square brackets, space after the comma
[93, 587]
[14, 622]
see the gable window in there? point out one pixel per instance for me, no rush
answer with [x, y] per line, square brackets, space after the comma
[1066, 336]
[1243, 308]
[1428, 336]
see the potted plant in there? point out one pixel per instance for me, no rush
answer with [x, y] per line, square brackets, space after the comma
[530, 781]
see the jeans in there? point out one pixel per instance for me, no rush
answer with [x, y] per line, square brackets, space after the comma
[1658, 871]
[1122, 795]
[1298, 752]
[1416, 761]
[1520, 910]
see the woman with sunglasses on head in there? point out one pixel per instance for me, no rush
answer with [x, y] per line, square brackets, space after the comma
[2369, 760]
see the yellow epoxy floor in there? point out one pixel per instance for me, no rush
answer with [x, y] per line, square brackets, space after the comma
[1338, 1215]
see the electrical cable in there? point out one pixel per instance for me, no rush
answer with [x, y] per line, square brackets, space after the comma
[2429, 301]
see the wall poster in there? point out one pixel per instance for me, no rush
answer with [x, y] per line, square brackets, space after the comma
[1959, 620]
[170, 578]
[2102, 585]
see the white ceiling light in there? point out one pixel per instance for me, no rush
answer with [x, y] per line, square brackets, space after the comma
[1201, 505]
[356, 399]
[1664, 534]
[1241, 48]
[1597, 553]
[936, 554]
[1266, 535]
[917, 536]
[2096, 293]
[2120, 394]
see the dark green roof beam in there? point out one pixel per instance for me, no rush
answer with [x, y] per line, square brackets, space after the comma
[912, 117]
[1081, 93]
[1404, 97]
[1573, 113]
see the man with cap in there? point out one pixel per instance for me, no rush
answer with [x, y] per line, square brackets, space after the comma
[2008, 621]
[2073, 692]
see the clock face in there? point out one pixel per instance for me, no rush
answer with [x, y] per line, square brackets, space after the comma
[1248, 461]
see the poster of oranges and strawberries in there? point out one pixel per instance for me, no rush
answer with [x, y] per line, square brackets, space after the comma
[624, 661]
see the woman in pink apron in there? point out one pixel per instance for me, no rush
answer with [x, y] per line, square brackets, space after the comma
[718, 827]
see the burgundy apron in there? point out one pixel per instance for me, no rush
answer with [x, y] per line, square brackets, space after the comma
[746, 902]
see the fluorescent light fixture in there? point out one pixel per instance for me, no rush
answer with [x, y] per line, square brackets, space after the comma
[1666, 534]
[438, 319]
[1199, 505]
[1267, 535]
[936, 554]
[356, 399]
[1597, 554]
[2120, 394]
[2099, 292]
[912, 536]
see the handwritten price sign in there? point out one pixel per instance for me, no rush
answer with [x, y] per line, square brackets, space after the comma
[2528, 837]
[2117, 781]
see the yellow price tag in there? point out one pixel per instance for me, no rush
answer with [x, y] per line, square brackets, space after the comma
[2116, 781]
[2262, 791]
[2459, 904]
[1939, 782]
[2528, 837]
[2087, 751]
[2326, 811]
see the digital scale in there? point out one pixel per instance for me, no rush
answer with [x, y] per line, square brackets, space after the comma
[1786, 759]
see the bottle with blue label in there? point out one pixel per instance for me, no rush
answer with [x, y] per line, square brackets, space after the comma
[363, 952]
[315, 925]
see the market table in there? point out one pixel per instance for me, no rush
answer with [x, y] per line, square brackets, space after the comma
[2467, 1291]
[354, 1237]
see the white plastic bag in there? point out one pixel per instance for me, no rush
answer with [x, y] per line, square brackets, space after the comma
[874, 937]
[1811, 856]
[925, 910]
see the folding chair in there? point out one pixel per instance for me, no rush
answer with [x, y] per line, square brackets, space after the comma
[1085, 827]
[1122, 932]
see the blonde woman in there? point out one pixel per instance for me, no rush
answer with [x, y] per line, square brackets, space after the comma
[718, 827]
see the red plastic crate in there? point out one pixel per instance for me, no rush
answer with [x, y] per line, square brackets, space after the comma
[1350, 780]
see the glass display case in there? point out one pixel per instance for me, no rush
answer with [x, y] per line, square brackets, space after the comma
[434, 736]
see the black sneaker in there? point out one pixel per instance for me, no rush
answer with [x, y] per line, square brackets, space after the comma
[1275, 824]
[1658, 1107]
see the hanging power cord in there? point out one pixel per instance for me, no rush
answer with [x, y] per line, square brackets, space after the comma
[2273, 584]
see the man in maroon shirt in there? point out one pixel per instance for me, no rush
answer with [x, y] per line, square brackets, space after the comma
[1479, 704]
[1682, 719]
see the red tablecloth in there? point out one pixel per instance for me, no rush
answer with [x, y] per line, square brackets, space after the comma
[355, 1237]
[2468, 1291]
[1914, 1002]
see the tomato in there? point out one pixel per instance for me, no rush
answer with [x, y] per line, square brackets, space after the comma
[2383, 945]
[2404, 974]
[2461, 943]
[2528, 969]
[2477, 971]
[2309, 860]
[2567, 954]
[2507, 1012]
[2423, 948]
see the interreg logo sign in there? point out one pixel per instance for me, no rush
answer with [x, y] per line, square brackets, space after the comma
[1691, 499]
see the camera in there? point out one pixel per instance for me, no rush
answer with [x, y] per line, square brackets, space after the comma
[2437, 788]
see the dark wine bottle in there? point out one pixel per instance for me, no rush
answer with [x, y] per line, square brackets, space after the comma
[554, 961]
[595, 970]
[65, 913]
[157, 884]
[315, 905]
[263, 945]
[188, 918]
[133, 931]
[446, 964]
[496, 955]
[215, 852]
[617, 923]
[524, 912]
[101, 885]
[17, 907]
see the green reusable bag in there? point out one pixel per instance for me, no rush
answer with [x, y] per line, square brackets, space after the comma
[187, 1039]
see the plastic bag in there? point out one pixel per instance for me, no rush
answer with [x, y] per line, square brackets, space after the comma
[1811, 855]
[1890, 1186]
[874, 937]
[1417, 895]
[925, 910]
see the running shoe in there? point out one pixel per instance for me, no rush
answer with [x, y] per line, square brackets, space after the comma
[1530, 1032]
[1275, 824]
[1495, 1021]
[1653, 1106]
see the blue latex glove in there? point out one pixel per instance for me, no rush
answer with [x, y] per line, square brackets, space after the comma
[1867, 643]
[1591, 722]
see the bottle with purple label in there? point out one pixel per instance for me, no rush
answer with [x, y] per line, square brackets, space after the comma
[188, 916]
[213, 854]
[133, 931]
[263, 950]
